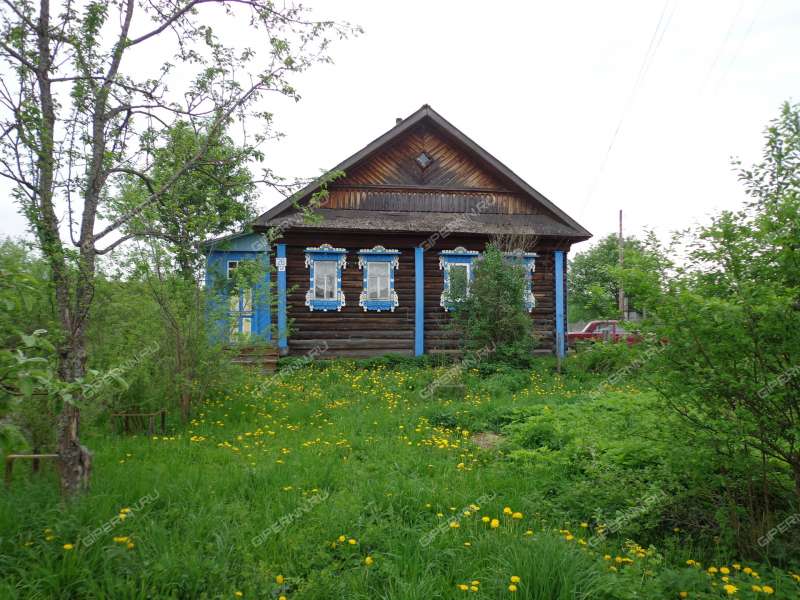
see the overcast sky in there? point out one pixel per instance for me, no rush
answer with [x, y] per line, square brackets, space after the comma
[600, 106]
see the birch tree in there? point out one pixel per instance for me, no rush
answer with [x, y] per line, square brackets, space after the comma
[82, 96]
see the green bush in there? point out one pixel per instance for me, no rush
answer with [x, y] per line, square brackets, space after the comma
[492, 318]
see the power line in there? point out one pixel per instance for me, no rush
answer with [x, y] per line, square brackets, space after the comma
[652, 48]
[740, 46]
[721, 47]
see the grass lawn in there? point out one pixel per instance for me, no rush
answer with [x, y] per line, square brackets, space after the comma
[346, 482]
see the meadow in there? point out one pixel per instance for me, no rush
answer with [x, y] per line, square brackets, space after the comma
[383, 480]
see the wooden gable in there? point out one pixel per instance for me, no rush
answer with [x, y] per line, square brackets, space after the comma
[415, 176]
[450, 166]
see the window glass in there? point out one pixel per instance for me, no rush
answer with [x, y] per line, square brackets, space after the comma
[325, 279]
[247, 300]
[459, 282]
[378, 280]
[232, 264]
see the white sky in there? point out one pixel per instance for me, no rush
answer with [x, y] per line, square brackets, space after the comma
[544, 85]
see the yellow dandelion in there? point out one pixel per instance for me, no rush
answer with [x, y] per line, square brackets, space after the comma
[279, 579]
[512, 588]
[515, 579]
[68, 546]
[495, 523]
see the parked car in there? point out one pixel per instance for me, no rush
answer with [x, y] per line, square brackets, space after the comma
[612, 331]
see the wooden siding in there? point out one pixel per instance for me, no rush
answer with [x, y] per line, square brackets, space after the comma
[356, 333]
[351, 332]
[454, 182]
[429, 200]
[452, 166]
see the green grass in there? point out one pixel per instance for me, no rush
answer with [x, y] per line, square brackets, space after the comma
[264, 482]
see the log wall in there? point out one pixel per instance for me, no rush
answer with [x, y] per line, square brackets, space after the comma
[352, 332]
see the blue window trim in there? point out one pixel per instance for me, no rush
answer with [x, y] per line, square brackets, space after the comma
[378, 254]
[325, 252]
[447, 258]
[527, 260]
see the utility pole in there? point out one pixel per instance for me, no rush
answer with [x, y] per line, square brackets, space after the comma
[621, 264]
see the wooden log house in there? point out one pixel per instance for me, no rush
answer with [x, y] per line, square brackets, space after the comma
[371, 274]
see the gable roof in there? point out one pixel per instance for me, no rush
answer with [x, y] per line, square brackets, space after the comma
[562, 225]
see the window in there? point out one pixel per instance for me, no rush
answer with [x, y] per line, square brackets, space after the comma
[325, 265]
[527, 260]
[378, 265]
[459, 282]
[457, 267]
[325, 280]
[378, 281]
[240, 306]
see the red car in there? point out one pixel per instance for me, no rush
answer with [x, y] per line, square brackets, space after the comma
[603, 331]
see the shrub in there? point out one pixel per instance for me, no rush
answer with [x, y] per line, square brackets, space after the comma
[492, 317]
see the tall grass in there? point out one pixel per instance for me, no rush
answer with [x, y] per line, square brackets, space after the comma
[321, 453]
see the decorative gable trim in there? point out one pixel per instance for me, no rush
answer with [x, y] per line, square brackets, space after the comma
[572, 229]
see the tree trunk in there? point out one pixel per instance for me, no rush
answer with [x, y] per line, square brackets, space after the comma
[796, 470]
[74, 460]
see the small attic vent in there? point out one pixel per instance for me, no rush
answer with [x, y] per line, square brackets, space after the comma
[424, 160]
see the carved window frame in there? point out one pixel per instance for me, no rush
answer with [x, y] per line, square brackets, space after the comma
[527, 260]
[378, 255]
[449, 258]
[322, 253]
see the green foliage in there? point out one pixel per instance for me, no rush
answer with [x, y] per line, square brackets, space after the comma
[492, 318]
[214, 196]
[730, 316]
[390, 470]
[593, 278]
[606, 357]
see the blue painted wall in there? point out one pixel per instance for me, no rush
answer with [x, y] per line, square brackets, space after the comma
[238, 248]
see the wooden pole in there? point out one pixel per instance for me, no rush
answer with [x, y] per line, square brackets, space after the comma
[621, 299]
